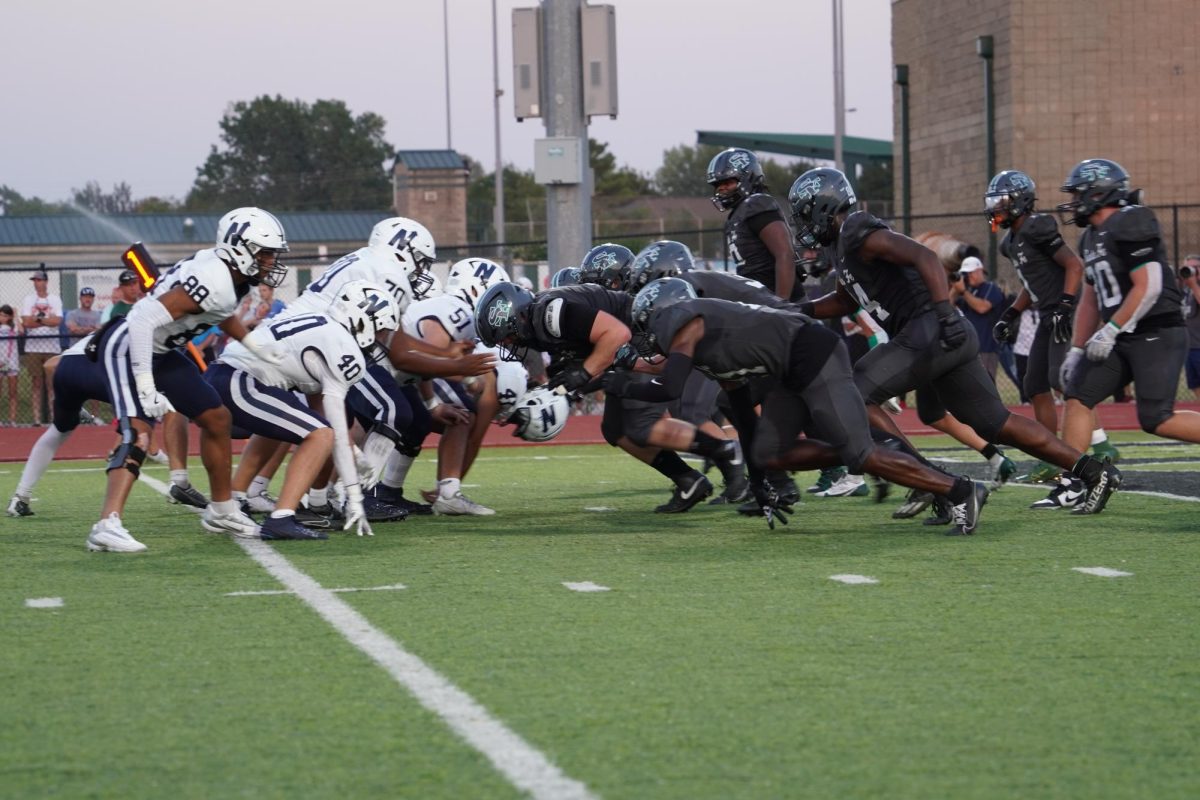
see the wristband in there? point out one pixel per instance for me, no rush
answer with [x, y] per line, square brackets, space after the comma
[1068, 299]
[1077, 350]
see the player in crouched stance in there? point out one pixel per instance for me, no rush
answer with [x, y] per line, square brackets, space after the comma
[324, 357]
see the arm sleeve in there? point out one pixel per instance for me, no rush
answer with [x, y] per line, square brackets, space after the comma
[144, 318]
[667, 386]
[333, 391]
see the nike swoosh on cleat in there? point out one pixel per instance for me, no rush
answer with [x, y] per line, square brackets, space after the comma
[691, 491]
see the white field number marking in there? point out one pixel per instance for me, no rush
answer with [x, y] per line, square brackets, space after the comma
[585, 586]
[523, 765]
[598, 509]
[853, 580]
[1103, 572]
[390, 588]
[44, 602]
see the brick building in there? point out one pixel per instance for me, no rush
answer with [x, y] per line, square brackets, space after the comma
[1073, 79]
[430, 186]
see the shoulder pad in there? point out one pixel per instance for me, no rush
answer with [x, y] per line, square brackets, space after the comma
[857, 227]
[1133, 224]
[758, 203]
[1042, 230]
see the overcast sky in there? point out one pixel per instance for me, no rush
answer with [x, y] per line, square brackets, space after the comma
[133, 90]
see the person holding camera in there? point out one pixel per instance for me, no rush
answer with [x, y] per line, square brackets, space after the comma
[41, 314]
[980, 302]
[1190, 281]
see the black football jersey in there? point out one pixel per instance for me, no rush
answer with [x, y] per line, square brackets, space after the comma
[1128, 239]
[740, 341]
[747, 250]
[891, 293]
[561, 319]
[1031, 250]
[735, 289]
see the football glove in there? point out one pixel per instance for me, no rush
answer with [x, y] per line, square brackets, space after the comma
[1069, 365]
[356, 515]
[953, 328]
[616, 383]
[1060, 319]
[1102, 342]
[153, 403]
[572, 378]
[1006, 329]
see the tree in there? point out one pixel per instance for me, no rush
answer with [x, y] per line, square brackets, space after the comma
[12, 203]
[874, 185]
[612, 181]
[683, 169]
[289, 155]
[93, 198]
[524, 210]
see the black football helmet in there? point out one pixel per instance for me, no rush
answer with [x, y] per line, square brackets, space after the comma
[817, 197]
[1011, 194]
[502, 319]
[662, 259]
[658, 293]
[734, 163]
[567, 276]
[1094, 184]
[608, 265]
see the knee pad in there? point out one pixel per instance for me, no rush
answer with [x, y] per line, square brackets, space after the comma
[408, 449]
[1152, 413]
[128, 454]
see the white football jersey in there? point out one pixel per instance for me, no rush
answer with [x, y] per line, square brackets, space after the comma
[364, 264]
[452, 313]
[298, 335]
[208, 281]
[511, 380]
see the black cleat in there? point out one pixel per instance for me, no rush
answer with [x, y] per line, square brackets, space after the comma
[274, 528]
[379, 511]
[306, 516]
[1069, 492]
[916, 502]
[18, 507]
[686, 495]
[1098, 492]
[395, 497]
[186, 496]
[941, 514]
[966, 513]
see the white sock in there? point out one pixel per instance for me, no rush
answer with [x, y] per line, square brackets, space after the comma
[396, 469]
[239, 496]
[1099, 436]
[39, 460]
[179, 478]
[226, 506]
[259, 485]
[280, 513]
[448, 487]
[318, 497]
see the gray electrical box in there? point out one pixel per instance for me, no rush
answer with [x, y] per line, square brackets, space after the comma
[527, 62]
[558, 160]
[598, 28]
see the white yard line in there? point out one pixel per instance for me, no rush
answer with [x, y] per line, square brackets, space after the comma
[853, 580]
[1103, 572]
[390, 588]
[585, 586]
[44, 602]
[523, 765]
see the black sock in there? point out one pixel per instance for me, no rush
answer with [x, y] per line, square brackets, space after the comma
[670, 464]
[961, 490]
[989, 450]
[1087, 468]
[705, 445]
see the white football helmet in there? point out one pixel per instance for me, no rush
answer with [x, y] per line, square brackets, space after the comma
[244, 234]
[433, 288]
[511, 380]
[540, 415]
[471, 277]
[410, 243]
[365, 309]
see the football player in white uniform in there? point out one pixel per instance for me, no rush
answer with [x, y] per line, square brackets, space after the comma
[324, 357]
[136, 364]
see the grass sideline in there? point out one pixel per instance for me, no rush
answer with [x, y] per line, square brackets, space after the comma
[723, 662]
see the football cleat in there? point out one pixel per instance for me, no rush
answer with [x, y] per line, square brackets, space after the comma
[109, 535]
[1099, 491]
[942, 513]
[829, 476]
[688, 493]
[1042, 473]
[379, 511]
[312, 519]
[916, 502]
[966, 514]
[274, 528]
[395, 497]
[785, 488]
[1067, 494]
[186, 496]
[159, 457]
[260, 504]
[848, 486]
[19, 507]
[234, 522]
[459, 505]
[1106, 450]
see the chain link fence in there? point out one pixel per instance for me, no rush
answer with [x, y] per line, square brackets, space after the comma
[24, 401]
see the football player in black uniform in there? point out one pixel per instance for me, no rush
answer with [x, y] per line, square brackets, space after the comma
[902, 285]
[607, 265]
[756, 233]
[583, 327]
[1129, 325]
[813, 389]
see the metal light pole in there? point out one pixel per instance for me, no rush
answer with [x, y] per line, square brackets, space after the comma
[498, 208]
[568, 206]
[839, 87]
[446, 49]
[983, 46]
[901, 78]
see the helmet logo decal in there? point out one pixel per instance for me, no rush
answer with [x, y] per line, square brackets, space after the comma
[1094, 172]
[1019, 181]
[604, 261]
[807, 189]
[402, 237]
[500, 312]
[739, 160]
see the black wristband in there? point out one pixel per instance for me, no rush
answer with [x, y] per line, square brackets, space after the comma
[1067, 299]
[943, 309]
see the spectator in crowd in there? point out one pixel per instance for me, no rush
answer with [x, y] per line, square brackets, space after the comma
[1191, 313]
[10, 358]
[85, 319]
[128, 292]
[41, 313]
[980, 302]
[266, 306]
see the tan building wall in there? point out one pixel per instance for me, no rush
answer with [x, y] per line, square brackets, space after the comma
[1073, 79]
[436, 198]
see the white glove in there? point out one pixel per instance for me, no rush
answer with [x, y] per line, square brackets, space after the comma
[271, 352]
[1070, 362]
[373, 458]
[153, 403]
[1102, 342]
[356, 515]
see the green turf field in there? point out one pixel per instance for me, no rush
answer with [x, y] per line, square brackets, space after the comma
[721, 662]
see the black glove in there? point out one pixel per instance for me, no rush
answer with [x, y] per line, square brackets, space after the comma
[571, 378]
[772, 505]
[626, 357]
[1006, 329]
[615, 383]
[1061, 318]
[954, 328]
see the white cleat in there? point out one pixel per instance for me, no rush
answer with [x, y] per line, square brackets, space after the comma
[846, 486]
[261, 503]
[458, 505]
[235, 523]
[159, 457]
[110, 535]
